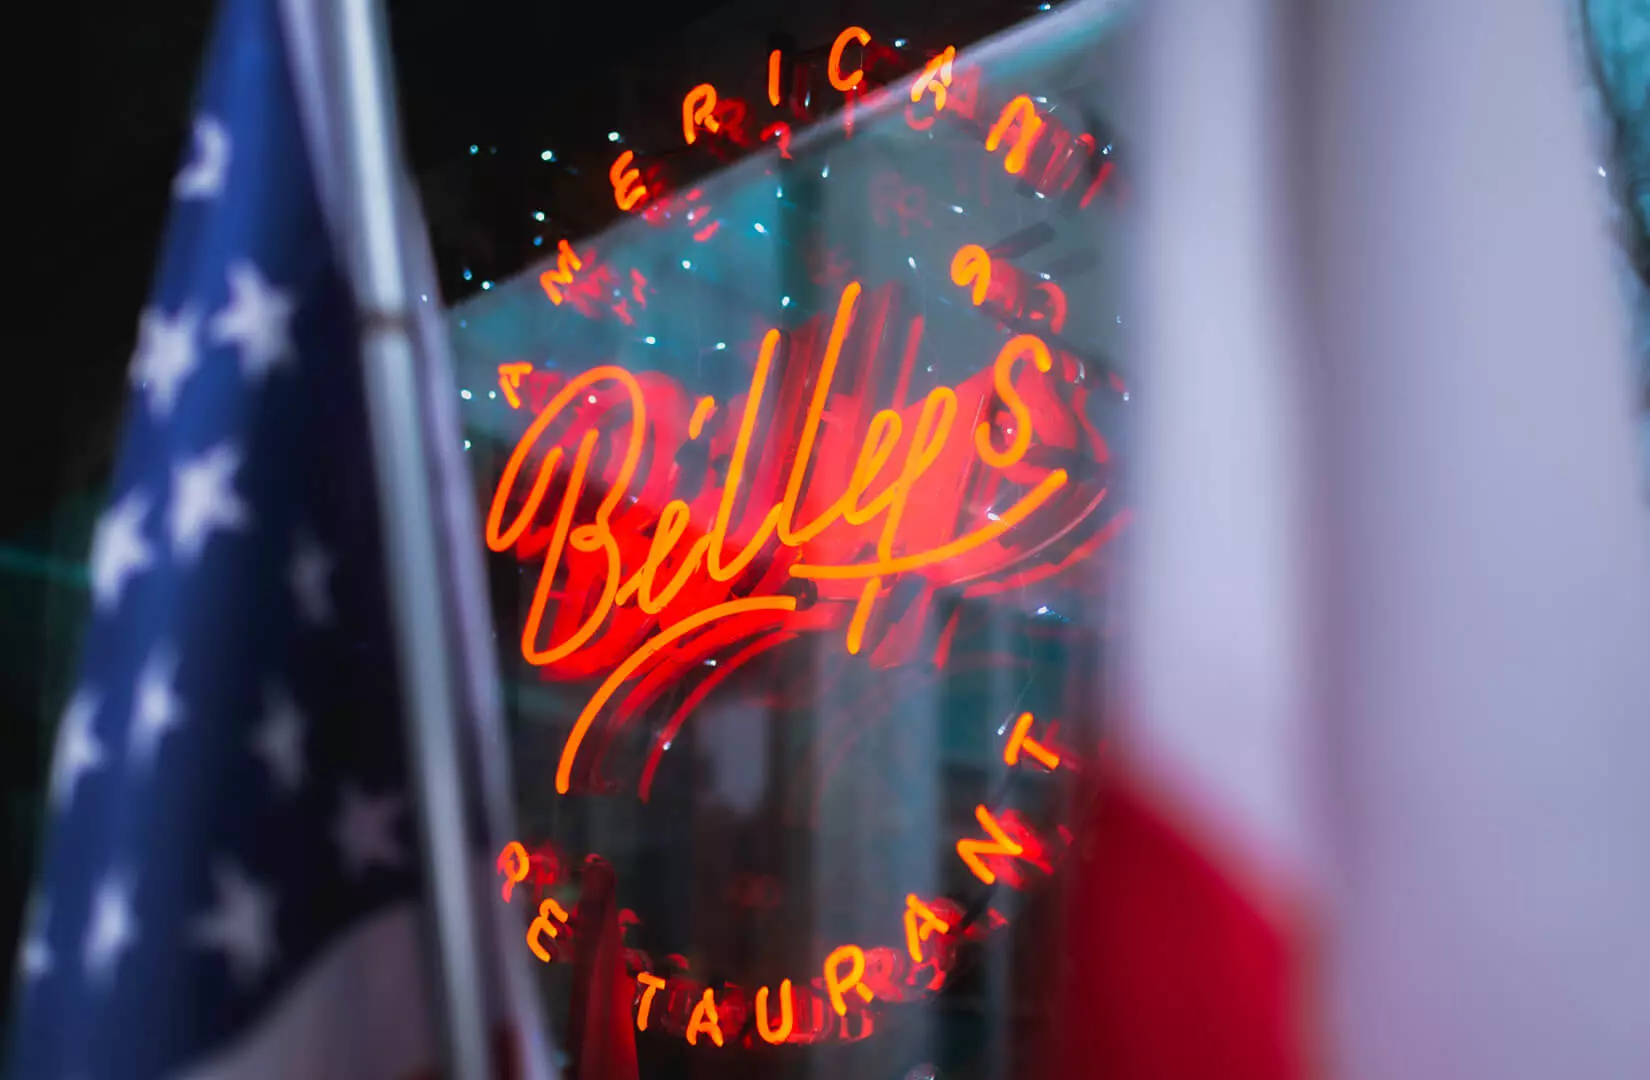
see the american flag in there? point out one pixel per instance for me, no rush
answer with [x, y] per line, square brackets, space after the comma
[231, 885]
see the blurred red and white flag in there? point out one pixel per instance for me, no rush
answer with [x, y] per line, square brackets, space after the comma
[1381, 806]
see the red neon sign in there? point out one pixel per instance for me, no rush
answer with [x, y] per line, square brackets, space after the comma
[801, 530]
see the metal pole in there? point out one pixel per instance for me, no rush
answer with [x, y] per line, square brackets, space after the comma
[372, 221]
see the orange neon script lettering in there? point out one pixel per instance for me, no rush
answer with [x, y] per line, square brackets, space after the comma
[833, 64]
[972, 266]
[562, 272]
[836, 984]
[597, 537]
[515, 864]
[1023, 115]
[999, 844]
[550, 913]
[783, 1031]
[522, 502]
[627, 187]
[699, 110]
[651, 984]
[1020, 739]
[509, 380]
[1002, 374]
[920, 922]
[701, 413]
[935, 76]
[704, 1018]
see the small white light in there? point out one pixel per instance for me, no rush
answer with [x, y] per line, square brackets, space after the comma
[1040, 100]
[547, 155]
[424, 297]
[912, 259]
[779, 193]
[1043, 610]
[1120, 320]
[1125, 395]
[1044, 7]
[591, 399]
[721, 345]
[759, 227]
[651, 340]
[1040, 195]
[899, 43]
[466, 444]
[955, 209]
[826, 171]
[686, 265]
[465, 394]
[784, 301]
[613, 136]
[1106, 149]
[538, 215]
[992, 514]
[710, 663]
[1601, 171]
[492, 393]
[474, 149]
[486, 284]
[1043, 275]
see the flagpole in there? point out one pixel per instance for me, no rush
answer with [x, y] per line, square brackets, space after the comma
[372, 196]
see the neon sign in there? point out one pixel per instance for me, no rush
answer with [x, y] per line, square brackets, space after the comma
[852, 978]
[1021, 114]
[560, 276]
[673, 543]
[1063, 158]
[803, 526]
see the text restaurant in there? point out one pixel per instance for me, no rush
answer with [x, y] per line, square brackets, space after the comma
[801, 486]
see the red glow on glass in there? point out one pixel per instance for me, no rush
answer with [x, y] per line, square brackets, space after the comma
[782, 131]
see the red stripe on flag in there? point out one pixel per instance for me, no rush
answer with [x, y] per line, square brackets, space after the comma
[1178, 974]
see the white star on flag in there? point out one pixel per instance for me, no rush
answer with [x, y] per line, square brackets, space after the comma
[241, 925]
[365, 831]
[113, 928]
[78, 751]
[307, 574]
[203, 499]
[118, 550]
[203, 177]
[255, 320]
[165, 356]
[156, 708]
[278, 739]
[35, 957]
